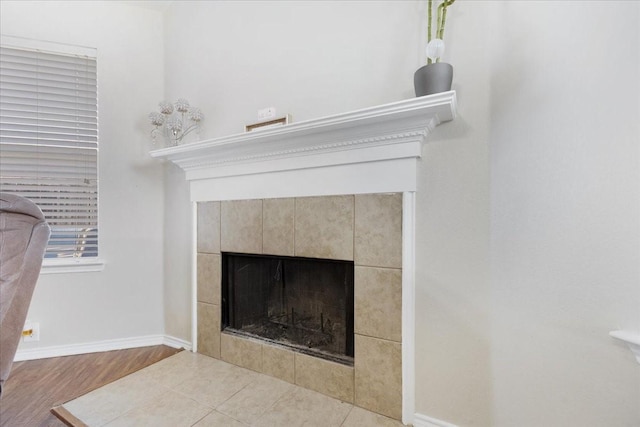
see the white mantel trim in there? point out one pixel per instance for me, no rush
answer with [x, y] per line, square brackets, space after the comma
[408, 307]
[376, 134]
[374, 150]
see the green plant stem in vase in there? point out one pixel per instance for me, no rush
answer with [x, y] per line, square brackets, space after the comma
[435, 46]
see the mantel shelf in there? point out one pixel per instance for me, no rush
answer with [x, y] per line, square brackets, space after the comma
[385, 132]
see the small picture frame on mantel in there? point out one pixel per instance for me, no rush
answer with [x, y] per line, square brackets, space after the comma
[281, 121]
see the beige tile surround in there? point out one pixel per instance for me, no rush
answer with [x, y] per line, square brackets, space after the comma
[366, 229]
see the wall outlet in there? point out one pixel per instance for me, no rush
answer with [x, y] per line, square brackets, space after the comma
[267, 113]
[31, 332]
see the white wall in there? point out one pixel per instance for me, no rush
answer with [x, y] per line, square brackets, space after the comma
[305, 58]
[126, 299]
[453, 290]
[565, 213]
[552, 89]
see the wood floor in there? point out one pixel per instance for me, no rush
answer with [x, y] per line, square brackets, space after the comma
[36, 386]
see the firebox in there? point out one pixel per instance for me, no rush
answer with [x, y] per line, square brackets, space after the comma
[305, 304]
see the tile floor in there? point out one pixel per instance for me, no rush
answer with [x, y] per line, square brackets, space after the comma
[190, 389]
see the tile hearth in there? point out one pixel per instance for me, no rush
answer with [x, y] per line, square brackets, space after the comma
[190, 389]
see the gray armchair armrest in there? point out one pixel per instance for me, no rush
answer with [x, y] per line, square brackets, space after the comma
[24, 235]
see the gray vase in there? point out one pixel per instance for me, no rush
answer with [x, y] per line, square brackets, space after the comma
[433, 78]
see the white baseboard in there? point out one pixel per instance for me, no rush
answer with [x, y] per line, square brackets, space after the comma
[176, 342]
[421, 420]
[99, 346]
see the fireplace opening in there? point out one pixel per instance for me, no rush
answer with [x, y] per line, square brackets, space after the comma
[305, 304]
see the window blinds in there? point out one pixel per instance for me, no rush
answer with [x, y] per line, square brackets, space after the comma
[49, 142]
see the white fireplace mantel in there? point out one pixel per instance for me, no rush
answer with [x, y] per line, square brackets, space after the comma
[373, 150]
[370, 150]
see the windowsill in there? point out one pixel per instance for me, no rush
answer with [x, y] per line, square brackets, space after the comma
[72, 265]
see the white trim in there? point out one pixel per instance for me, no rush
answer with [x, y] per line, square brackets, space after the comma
[408, 306]
[421, 420]
[391, 176]
[194, 276]
[174, 342]
[402, 146]
[376, 134]
[100, 346]
[71, 265]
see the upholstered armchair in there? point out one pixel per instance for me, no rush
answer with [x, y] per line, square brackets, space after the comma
[24, 234]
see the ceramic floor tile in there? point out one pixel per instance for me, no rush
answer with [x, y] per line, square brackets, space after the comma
[307, 408]
[213, 390]
[253, 400]
[168, 410]
[359, 417]
[176, 369]
[109, 402]
[216, 419]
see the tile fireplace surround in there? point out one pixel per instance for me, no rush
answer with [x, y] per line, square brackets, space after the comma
[366, 229]
[339, 187]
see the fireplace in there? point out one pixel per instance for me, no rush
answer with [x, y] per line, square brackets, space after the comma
[276, 175]
[304, 304]
[303, 260]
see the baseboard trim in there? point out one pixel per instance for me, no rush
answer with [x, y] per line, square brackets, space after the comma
[99, 346]
[421, 420]
[176, 342]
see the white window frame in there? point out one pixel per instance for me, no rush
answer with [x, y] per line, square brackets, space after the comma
[72, 263]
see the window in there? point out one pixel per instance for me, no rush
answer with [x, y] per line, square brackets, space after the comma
[49, 138]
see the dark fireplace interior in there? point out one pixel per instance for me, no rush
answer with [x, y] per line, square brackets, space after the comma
[302, 303]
